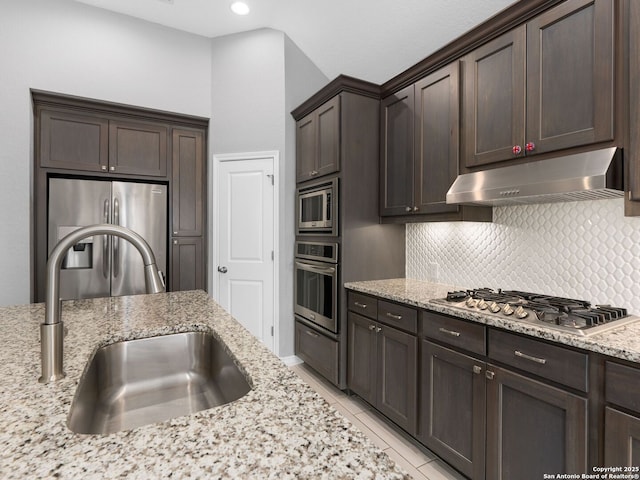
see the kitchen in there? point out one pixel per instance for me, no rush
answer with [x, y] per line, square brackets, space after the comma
[428, 263]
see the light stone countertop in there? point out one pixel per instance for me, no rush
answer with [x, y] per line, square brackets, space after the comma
[281, 429]
[622, 342]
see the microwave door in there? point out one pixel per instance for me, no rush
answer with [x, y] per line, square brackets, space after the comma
[312, 209]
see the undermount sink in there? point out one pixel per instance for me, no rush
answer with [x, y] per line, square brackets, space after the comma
[137, 382]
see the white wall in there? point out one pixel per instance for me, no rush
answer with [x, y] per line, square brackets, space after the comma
[67, 47]
[258, 77]
[586, 250]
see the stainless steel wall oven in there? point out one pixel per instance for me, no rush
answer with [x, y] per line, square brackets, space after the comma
[316, 283]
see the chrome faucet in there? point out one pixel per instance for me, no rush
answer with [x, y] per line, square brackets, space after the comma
[51, 331]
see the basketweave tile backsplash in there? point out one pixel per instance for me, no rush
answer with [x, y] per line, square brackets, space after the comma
[587, 250]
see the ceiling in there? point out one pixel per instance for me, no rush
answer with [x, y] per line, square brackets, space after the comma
[369, 39]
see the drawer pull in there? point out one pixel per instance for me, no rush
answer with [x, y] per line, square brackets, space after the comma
[477, 369]
[312, 334]
[541, 361]
[449, 332]
[395, 317]
[360, 305]
[372, 327]
[378, 329]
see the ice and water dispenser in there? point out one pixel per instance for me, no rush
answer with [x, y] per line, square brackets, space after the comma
[81, 254]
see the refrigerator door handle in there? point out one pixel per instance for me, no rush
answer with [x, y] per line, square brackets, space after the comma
[105, 244]
[115, 240]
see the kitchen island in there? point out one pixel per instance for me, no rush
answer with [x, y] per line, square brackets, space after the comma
[280, 429]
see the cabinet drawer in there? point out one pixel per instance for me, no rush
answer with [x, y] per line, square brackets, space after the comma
[555, 363]
[363, 304]
[318, 351]
[458, 333]
[621, 384]
[404, 318]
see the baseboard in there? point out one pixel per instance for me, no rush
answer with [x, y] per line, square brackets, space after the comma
[291, 361]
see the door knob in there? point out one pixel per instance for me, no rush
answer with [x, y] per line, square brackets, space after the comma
[222, 269]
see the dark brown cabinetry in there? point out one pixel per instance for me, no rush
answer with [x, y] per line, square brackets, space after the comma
[74, 141]
[622, 417]
[565, 58]
[99, 140]
[317, 350]
[452, 407]
[318, 142]
[533, 428]
[138, 148]
[419, 148]
[382, 365]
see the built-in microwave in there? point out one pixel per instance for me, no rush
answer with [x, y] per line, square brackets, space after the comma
[317, 207]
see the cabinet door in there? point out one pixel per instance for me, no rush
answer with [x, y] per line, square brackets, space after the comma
[328, 137]
[452, 408]
[187, 185]
[137, 148]
[397, 377]
[187, 262]
[436, 149]
[319, 352]
[306, 148]
[494, 99]
[396, 156]
[533, 428]
[73, 141]
[361, 363]
[570, 76]
[622, 439]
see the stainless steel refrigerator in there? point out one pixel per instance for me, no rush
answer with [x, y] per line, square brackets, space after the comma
[102, 266]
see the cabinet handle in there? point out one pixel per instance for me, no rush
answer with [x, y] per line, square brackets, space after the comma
[449, 332]
[372, 327]
[395, 317]
[103, 168]
[313, 173]
[477, 369]
[541, 361]
[415, 209]
[311, 334]
[360, 305]
[113, 169]
[175, 233]
[378, 329]
[489, 374]
[175, 242]
[407, 209]
[530, 147]
[517, 149]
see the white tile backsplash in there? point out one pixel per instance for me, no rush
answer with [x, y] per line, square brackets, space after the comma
[587, 250]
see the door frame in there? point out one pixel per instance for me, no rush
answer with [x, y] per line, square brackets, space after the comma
[274, 155]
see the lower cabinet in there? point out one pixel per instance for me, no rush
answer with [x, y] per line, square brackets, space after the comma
[622, 429]
[533, 428]
[382, 369]
[452, 407]
[317, 350]
[187, 264]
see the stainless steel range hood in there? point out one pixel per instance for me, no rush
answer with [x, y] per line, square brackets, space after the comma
[585, 176]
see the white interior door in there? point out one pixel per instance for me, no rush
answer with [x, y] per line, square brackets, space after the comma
[245, 268]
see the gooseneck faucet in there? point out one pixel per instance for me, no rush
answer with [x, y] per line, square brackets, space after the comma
[51, 331]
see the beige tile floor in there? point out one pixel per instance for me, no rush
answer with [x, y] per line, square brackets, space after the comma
[419, 462]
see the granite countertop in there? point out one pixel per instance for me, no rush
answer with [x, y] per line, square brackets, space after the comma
[281, 429]
[622, 342]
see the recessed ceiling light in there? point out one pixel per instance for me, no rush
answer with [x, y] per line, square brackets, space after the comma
[240, 8]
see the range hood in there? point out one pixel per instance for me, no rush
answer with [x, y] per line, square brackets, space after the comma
[591, 175]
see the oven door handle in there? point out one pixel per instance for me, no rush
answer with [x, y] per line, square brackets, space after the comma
[314, 268]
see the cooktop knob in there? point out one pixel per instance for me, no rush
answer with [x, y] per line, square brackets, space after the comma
[482, 305]
[471, 302]
[508, 309]
[494, 307]
[521, 312]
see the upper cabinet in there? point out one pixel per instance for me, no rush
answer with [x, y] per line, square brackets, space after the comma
[318, 142]
[547, 85]
[92, 143]
[420, 148]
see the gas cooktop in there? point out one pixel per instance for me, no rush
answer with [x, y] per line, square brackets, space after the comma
[578, 317]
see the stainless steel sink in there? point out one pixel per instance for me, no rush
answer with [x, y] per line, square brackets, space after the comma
[137, 382]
